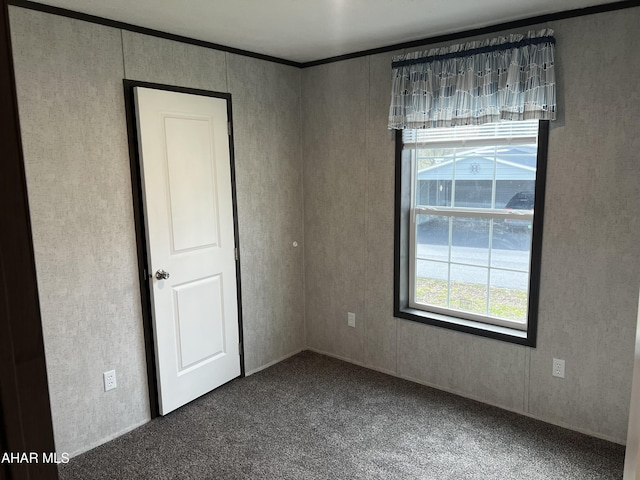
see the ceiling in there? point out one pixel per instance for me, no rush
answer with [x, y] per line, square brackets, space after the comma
[308, 30]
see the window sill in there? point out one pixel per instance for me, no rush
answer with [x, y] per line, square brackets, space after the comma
[496, 332]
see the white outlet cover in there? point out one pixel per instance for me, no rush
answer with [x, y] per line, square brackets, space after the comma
[351, 319]
[558, 368]
[109, 380]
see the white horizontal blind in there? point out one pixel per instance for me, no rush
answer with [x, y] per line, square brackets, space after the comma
[502, 133]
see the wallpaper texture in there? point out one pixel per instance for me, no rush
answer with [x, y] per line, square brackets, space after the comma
[590, 262]
[314, 168]
[69, 76]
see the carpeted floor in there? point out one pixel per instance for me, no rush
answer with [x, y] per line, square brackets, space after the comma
[314, 417]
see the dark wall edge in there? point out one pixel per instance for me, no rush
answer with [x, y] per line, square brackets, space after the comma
[578, 12]
[25, 410]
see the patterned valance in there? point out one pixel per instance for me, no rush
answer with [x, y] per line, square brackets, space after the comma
[505, 78]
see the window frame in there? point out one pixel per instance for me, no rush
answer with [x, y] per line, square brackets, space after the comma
[403, 260]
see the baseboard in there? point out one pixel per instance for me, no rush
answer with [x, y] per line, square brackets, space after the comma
[514, 410]
[270, 364]
[471, 397]
[108, 439]
[573, 428]
[354, 362]
[381, 370]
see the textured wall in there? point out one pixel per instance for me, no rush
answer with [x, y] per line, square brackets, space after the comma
[380, 326]
[334, 126]
[266, 115]
[590, 265]
[152, 59]
[266, 112]
[69, 82]
[69, 76]
[591, 258]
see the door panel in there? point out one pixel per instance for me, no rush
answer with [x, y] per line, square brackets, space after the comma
[186, 177]
[199, 338]
[193, 203]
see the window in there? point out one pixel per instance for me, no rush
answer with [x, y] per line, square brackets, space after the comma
[469, 206]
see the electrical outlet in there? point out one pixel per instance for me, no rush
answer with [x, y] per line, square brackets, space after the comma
[558, 368]
[109, 380]
[351, 319]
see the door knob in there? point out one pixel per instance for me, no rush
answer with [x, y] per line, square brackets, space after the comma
[162, 275]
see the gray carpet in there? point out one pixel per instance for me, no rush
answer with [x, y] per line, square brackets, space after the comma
[314, 417]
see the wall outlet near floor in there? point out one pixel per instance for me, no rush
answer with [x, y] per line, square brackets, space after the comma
[558, 368]
[109, 380]
[351, 319]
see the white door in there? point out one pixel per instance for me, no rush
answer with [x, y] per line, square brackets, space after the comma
[186, 178]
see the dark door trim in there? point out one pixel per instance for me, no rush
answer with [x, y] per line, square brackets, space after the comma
[25, 410]
[141, 240]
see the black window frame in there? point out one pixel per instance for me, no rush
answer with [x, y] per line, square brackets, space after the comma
[402, 207]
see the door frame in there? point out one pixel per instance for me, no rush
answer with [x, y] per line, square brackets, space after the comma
[141, 234]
